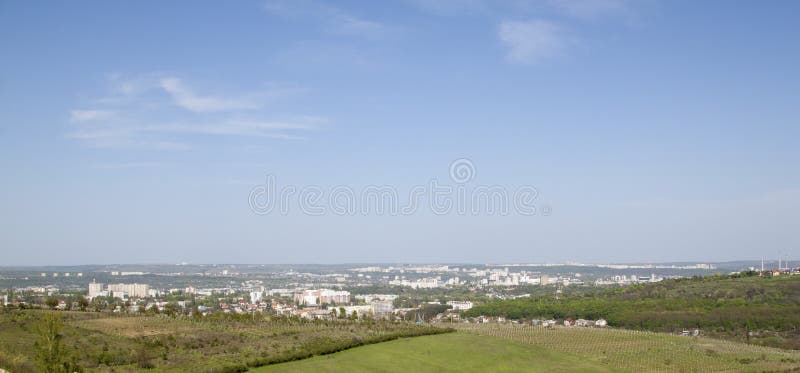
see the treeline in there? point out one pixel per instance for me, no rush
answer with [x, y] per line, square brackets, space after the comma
[735, 306]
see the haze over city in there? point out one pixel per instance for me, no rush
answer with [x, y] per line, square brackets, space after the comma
[651, 131]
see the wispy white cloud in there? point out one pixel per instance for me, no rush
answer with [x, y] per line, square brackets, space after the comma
[592, 9]
[333, 19]
[89, 115]
[539, 29]
[454, 7]
[154, 134]
[348, 24]
[532, 41]
[583, 9]
[257, 128]
[128, 165]
[164, 113]
[187, 99]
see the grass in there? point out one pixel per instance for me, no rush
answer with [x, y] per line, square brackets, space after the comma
[104, 343]
[506, 347]
[101, 342]
[646, 351]
[444, 352]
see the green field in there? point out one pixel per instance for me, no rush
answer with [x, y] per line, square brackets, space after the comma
[444, 352]
[493, 347]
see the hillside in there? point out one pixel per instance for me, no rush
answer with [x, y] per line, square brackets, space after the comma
[758, 310]
[108, 343]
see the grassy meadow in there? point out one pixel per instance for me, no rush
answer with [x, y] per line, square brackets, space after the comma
[104, 343]
[464, 352]
[494, 347]
[641, 351]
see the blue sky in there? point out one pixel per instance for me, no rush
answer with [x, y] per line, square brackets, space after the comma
[655, 131]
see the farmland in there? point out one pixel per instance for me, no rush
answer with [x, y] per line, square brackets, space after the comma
[507, 347]
[99, 342]
[644, 351]
[451, 352]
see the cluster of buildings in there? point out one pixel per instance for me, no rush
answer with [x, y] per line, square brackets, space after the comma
[321, 296]
[488, 277]
[628, 280]
[568, 322]
[420, 283]
[459, 305]
[64, 274]
[122, 291]
[321, 303]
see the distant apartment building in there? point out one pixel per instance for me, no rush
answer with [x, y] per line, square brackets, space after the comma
[131, 290]
[369, 298]
[280, 293]
[361, 311]
[423, 283]
[322, 296]
[95, 288]
[544, 280]
[382, 307]
[256, 296]
[460, 305]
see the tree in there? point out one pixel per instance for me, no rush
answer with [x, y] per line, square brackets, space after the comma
[51, 302]
[171, 309]
[49, 354]
[83, 303]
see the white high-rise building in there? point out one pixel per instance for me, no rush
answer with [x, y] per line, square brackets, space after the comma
[322, 296]
[382, 307]
[460, 305]
[94, 289]
[132, 290]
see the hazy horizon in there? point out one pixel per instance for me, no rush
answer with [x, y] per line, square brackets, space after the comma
[767, 262]
[612, 131]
